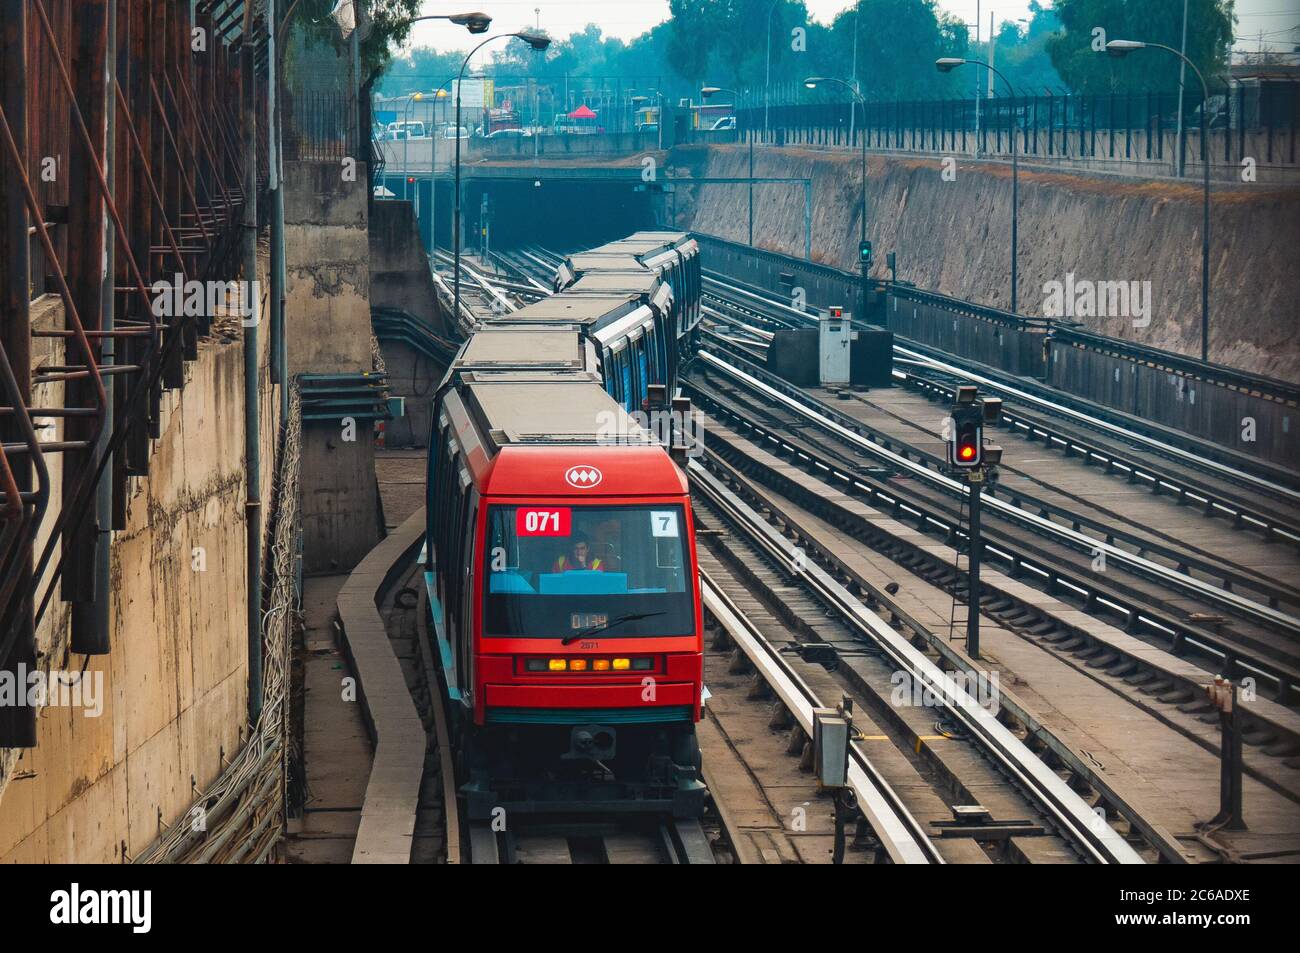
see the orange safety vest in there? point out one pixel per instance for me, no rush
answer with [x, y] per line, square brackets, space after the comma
[562, 565]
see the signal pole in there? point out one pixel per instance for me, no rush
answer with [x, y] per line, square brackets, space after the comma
[974, 483]
[973, 463]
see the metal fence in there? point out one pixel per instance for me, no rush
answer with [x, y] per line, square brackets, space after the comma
[1246, 121]
[320, 126]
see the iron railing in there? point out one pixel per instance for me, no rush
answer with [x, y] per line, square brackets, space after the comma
[1257, 122]
[161, 199]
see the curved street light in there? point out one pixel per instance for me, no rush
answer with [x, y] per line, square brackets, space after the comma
[539, 42]
[946, 64]
[708, 92]
[812, 82]
[767, 83]
[1118, 48]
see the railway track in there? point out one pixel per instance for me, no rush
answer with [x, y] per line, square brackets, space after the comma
[584, 839]
[1248, 495]
[1059, 808]
[1261, 641]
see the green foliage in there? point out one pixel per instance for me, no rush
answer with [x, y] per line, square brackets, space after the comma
[313, 32]
[724, 43]
[897, 44]
[1209, 38]
[1021, 53]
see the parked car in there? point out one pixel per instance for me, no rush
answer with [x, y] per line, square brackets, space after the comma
[725, 124]
[451, 132]
[509, 134]
[413, 129]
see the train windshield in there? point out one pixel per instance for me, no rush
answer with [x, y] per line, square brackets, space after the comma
[572, 571]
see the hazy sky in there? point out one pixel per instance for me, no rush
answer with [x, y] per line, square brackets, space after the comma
[630, 18]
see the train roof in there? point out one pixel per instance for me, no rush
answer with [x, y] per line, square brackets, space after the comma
[579, 309]
[646, 244]
[607, 282]
[596, 474]
[501, 346]
[597, 260]
[548, 410]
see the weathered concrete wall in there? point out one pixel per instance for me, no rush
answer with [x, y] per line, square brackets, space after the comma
[415, 377]
[327, 295]
[174, 699]
[327, 317]
[399, 270]
[954, 237]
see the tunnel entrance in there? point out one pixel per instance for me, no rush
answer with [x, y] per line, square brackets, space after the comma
[569, 213]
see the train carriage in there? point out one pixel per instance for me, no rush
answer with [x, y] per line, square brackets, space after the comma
[560, 557]
[671, 256]
[629, 330]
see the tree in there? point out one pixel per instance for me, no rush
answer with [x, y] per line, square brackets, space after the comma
[1209, 39]
[696, 25]
[897, 44]
[312, 29]
[1022, 54]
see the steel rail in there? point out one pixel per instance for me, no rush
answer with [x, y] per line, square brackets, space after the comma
[1228, 656]
[1158, 446]
[1187, 560]
[1074, 816]
[1185, 490]
[1090, 420]
[1078, 540]
[900, 833]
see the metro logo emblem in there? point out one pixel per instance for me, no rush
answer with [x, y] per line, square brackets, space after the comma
[582, 477]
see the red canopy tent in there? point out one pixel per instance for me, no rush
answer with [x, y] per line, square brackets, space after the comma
[582, 112]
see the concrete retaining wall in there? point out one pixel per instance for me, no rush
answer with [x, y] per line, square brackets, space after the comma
[327, 318]
[175, 685]
[1244, 421]
[953, 237]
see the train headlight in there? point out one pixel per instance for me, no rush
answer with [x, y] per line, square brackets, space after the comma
[600, 665]
[622, 664]
[577, 665]
[557, 665]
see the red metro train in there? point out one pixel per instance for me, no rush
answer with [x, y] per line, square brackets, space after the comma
[561, 565]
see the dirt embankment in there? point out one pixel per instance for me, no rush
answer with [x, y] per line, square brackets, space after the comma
[953, 234]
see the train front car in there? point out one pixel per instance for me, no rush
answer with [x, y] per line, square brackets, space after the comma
[572, 634]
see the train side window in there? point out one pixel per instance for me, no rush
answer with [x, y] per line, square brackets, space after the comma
[642, 368]
[608, 369]
[652, 352]
[625, 374]
[453, 571]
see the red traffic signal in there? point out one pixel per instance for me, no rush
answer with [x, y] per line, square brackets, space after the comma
[966, 448]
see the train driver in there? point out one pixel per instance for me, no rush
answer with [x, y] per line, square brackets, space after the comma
[579, 557]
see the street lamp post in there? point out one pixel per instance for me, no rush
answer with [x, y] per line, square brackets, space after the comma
[812, 82]
[433, 166]
[537, 41]
[767, 83]
[948, 63]
[1123, 48]
[406, 144]
[708, 92]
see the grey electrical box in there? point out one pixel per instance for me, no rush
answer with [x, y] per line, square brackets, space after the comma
[836, 334]
[830, 747]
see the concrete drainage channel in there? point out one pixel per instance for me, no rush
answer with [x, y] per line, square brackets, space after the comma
[392, 798]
